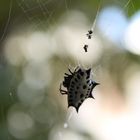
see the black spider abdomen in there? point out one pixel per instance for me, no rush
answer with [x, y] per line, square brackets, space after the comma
[79, 86]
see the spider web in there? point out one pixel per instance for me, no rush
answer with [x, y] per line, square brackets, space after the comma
[40, 11]
[40, 15]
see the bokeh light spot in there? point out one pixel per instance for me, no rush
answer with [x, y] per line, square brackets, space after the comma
[132, 34]
[20, 124]
[112, 23]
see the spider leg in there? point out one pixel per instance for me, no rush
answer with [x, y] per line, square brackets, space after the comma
[66, 74]
[70, 71]
[76, 68]
[63, 92]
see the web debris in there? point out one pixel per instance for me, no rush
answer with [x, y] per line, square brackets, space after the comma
[8, 20]
[90, 32]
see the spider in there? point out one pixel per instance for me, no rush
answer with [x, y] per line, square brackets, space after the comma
[79, 86]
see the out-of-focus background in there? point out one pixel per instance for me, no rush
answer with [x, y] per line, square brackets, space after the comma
[40, 40]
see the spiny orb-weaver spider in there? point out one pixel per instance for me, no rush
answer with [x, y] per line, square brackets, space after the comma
[79, 86]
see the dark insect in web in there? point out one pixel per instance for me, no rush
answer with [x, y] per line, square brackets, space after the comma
[79, 86]
[85, 47]
[89, 34]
